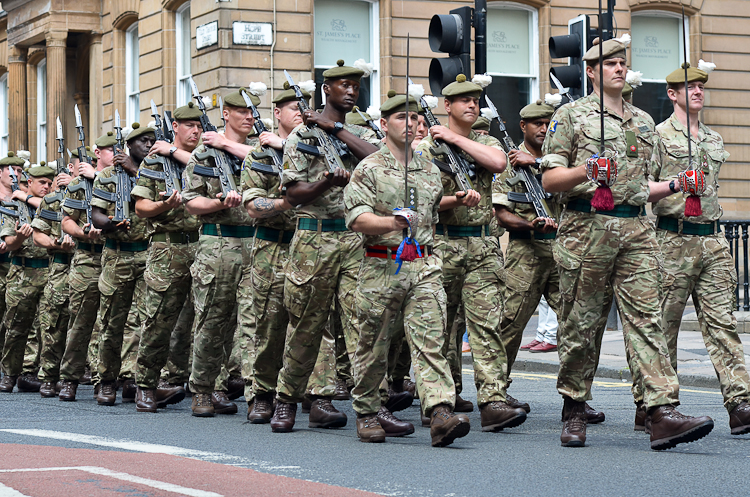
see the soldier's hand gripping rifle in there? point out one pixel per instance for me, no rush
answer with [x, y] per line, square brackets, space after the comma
[86, 184]
[171, 173]
[370, 123]
[121, 179]
[223, 169]
[59, 195]
[265, 152]
[536, 196]
[331, 148]
[21, 211]
[457, 166]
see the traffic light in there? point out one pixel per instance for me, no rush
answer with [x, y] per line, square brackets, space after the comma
[573, 46]
[450, 34]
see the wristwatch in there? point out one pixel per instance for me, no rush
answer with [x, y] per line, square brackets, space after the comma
[336, 128]
[672, 188]
[538, 161]
[172, 150]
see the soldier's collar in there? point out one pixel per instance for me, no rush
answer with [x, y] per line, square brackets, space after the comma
[678, 126]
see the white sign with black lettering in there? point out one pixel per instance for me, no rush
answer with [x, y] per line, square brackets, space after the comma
[252, 33]
[207, 35]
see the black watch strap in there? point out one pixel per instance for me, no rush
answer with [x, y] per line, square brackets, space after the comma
[672, 188]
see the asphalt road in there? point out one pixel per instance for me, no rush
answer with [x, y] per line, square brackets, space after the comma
[527, 460]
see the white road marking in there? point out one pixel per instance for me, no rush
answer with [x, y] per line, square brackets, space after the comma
[160, 485]
[10, 492]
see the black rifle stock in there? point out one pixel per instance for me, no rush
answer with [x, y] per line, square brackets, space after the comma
[171, 173]
[265, 152]
[123, 184]
[21, 212]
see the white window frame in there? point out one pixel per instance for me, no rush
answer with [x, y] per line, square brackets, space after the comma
[132, 92]
[374, 52]
[4, 115]
[533, 43]
[671, 15]
[182, 42]
[41, 111]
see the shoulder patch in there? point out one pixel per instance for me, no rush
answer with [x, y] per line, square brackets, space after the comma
[419, 152]
[553, 126]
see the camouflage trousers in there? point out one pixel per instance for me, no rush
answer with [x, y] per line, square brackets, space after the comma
[4, 268]
[122, 289]
[22, 295]
[223, 301]
[702, 266]
[322, 269]
[594, 251]
[168, 283]
[33, 348]
[83, 280]
[416, 295]
[530, 272]
[177, 369]
[472, 273]
[53, 321]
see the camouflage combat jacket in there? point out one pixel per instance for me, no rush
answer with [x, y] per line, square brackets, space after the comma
[465, 216]
[27, 249]
[708, 155]
[79, 216]
[256, 184]
[195, 185]
[377, 186]
[574, 136]
[53, 229]
[173, 220]
[310, 169]
[138, 228]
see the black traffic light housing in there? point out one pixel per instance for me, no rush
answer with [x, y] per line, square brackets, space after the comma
[450, 34]
[573, 46]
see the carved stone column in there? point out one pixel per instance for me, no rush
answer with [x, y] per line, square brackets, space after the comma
[18, 124]
[56, 85]
[94, 129]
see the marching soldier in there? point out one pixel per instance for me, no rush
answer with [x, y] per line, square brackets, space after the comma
[83, 279]
[221, 271]
[171, 252]
[26, 278]
[123, 264]
[697, 260]
[412, 292]
[323, 256]
[472, 259]
[616, 246]
[6, 192]
[53, 307]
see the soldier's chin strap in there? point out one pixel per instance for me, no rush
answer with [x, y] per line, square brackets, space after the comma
[409, 249]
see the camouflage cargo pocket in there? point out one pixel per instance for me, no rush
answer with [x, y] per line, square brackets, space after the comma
[569, 266]
[159, 271]
[303, 257]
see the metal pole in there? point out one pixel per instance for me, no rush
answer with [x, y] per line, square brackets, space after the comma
[480, 36]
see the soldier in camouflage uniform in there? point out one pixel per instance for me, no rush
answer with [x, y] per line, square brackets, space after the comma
[26, 278]
[5, 195]
[171, 252]
[53, 307]
[697, 260]
[265, 201]
[323, 256]
[83, 281]
[472, 259]
[123, 263]
[618, 247]
[409, 290]
[221, 271]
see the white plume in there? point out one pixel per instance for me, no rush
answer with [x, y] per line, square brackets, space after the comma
[257, 88]
[308, 86]
[483, 80]
[486, 113]
[634, 78]
[206, 102]
[52, 164]
[706, 66]
[367, 67]
[267, 122]
[432, 101]
[151, 124]
[553, 99]
[624, 39]
[373, 112]
[23, 154]
[416, 91]
[126, 131]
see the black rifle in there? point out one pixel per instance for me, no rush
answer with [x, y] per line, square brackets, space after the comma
[370, 123]
[331, 148]
[265, 152]
[122, 180]
[171, 173]
[59, 194]
[223, 169]
[21, 211]
[536, 196]
[457, 165]
[86, 184]
[168, 132]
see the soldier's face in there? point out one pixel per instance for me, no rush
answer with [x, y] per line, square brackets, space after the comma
[73, 166]
[105, 156]
[39, 187]
[240, 119]
[614, 71]
[140, 145]
[422, 128]
[398, 130]
[695, 92]
[5, 178]
[187, 134]
[463, 109]
[342, 94]
[534, 131]
[288, 115]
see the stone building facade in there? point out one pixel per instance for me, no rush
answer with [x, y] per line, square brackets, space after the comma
[120, 54]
